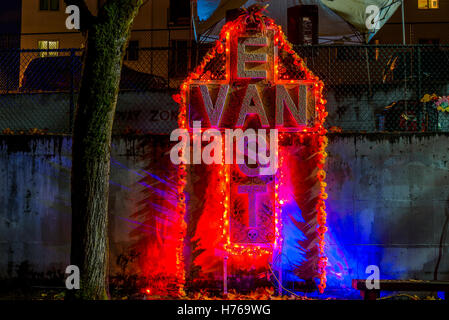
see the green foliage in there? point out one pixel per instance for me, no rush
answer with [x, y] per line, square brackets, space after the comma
[126, 283]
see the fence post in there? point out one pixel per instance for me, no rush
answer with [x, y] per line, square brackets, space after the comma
[419, 91]
[72, 88]
[424, 119]
[169, 50]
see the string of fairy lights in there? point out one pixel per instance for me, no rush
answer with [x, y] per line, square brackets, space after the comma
[230, 30]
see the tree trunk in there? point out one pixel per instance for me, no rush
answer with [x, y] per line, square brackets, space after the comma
[107, 38]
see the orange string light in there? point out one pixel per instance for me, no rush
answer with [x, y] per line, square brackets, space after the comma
[230, 30]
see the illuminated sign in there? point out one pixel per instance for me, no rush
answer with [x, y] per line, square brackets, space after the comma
[252, 87]
[252, 79]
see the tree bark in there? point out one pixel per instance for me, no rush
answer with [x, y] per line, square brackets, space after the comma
[107, 38]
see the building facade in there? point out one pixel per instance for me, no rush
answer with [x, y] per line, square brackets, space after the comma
[154, 26]
[426, 22]
[158, 26]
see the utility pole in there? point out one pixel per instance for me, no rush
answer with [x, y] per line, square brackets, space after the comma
[403, 22]
[192, 8]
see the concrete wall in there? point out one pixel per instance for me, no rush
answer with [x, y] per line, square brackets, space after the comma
[388, 195]
[35, 210]
[154, 112]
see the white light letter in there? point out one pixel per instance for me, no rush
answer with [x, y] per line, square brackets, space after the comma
[372, 22]
[243, 57]
[182, 147]
[73, 20]
[215, 146]
[73, 280]
[372, 282]
[214, 111]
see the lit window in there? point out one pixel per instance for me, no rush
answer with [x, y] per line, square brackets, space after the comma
[434, 4]
[46, 45]
[428, 4]
[52, 5]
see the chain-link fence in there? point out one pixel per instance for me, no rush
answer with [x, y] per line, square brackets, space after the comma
[385, 87]
[368, 88]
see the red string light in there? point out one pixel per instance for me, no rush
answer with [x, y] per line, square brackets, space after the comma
[230, 30]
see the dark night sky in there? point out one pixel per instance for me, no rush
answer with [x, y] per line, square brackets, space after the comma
[10, 13]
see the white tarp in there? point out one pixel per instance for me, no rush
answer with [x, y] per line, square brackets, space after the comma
[335, 17]
[355, 12]
[331, 27]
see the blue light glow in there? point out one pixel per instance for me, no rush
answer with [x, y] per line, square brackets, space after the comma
[206, 8]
